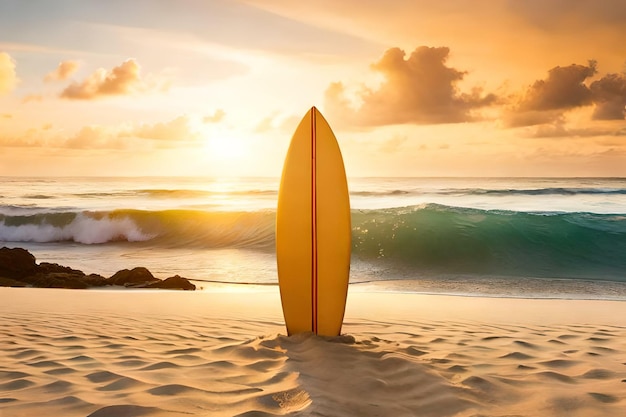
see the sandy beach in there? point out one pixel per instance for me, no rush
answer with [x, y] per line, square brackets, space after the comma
[224, 353]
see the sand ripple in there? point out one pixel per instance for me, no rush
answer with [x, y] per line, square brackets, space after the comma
[110, 366]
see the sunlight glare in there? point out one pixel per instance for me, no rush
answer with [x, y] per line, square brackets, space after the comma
[225, 145]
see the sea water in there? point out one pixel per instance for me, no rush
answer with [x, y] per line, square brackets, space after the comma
[520, 237]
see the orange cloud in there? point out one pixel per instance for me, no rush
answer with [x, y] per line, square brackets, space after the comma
[93, 137]
[163, 134]
[28, 139]
[394, 144]
[609, 95]
[560, 130]
[88, 137]
[121, 80]
[8, 76]
[176, 130]
[420, 89]
[32, 98]
[546, 101]
[563, 89]
[277, 122]
[216, 117]
[64, 71]
[159, 135]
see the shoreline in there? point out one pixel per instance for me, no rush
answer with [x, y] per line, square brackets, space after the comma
[468, 285]
[604, 290]
[361, 305]
[571, 289]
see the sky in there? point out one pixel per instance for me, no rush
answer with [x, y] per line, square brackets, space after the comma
[217, 87]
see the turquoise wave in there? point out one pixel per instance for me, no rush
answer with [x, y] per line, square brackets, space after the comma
[430, 239]
[441, 239]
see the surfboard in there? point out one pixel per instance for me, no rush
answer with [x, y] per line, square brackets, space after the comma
[313, 230]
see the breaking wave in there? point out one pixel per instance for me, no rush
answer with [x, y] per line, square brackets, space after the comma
[164, 228]
[430, 238]
[441, 239]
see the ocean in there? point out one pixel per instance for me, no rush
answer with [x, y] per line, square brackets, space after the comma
[501, 237]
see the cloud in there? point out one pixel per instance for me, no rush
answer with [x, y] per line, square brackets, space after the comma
[609, 96]
[123, 79]
[176, 130]
[420, 89]
[174, 133]
[270, 123]
[216, 117]
[561, 130]
[8, 76]
[546, 100]
[32, 98]
[160, 135]
[394, 144]
[94, 137]
[265, 125]
[563, 89]
[284, 123]
[518, 118]
[30, 138]
[64, 71]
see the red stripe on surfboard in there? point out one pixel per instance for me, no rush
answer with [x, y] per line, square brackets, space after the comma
[313, 222]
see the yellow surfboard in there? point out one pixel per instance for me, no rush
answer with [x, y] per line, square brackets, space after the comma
[313, 231]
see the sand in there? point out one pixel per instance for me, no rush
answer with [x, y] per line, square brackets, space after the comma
[224, 353]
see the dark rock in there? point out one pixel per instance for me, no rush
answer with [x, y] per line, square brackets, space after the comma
[48, 268]
[18, 268]
[95, 280]
[9, 282]
[58, 280]
[16, 263]
[51, 275]
[135, 277]
[174, 283]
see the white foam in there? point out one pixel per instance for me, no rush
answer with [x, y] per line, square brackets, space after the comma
[83, 229]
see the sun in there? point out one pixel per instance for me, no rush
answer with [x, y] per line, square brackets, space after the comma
[222, 143]
[225, 147]
[227, 150]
